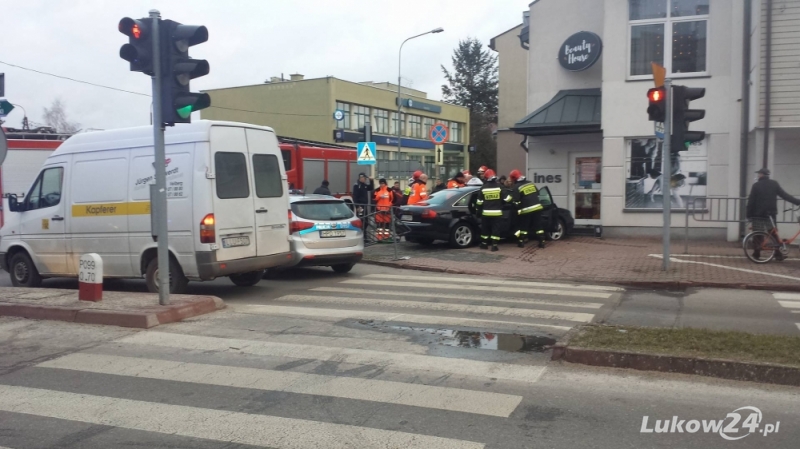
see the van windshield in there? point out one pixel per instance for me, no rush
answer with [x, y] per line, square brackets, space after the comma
[322, 210]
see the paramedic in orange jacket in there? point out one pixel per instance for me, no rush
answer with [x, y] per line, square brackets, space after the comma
[384, 198]
[419, 188]
[458, 181]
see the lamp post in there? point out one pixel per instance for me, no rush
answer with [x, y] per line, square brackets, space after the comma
[399, 97]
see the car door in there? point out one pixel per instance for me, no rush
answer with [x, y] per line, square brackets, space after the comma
[550, 211]
[270, 199]
[43, 221]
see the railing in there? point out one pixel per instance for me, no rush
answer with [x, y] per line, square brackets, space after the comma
[728, 210]
[381, 226]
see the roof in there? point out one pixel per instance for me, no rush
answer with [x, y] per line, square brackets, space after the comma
[574, 111]
[313, 197]
[491, 41]
[142, 136]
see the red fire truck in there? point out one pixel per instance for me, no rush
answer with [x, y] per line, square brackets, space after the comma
[309, 163]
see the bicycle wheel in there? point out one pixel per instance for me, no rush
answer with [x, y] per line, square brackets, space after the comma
[760, 246]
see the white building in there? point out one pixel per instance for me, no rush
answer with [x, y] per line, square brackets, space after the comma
[588, 135]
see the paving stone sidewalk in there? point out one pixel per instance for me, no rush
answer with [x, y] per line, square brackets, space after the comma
[632, 261]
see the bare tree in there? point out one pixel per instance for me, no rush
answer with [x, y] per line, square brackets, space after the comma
[56, 117]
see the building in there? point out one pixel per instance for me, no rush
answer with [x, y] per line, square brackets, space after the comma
[305, 108]
[586, 127]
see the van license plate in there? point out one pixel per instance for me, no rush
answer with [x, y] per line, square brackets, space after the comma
[230, 242]
[406, 218]
[333, 233]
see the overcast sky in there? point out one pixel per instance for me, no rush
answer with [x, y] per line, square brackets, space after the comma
[249, 41]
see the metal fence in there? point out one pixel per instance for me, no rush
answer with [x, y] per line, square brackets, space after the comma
[381, 226]
[710, 209]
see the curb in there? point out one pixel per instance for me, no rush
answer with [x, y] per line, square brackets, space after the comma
[144, 318]
[724, 369]
[651, 285]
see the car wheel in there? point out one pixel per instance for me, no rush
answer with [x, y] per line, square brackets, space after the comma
[177, 281]
[560, 232]
[23, 271]
[246, 279]
[343, 267]
[462, 235]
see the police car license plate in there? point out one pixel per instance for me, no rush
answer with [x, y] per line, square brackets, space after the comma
[230, 242]
[406, 218]
[333, 233]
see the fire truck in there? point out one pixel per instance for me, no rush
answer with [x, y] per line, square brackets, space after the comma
[308, 163]
[27, 151]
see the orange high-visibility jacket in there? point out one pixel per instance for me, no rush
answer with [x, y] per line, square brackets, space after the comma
[453, 184]
[419, 193]
[384, 198]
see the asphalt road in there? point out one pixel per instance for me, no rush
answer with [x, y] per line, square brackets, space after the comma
[377, 358]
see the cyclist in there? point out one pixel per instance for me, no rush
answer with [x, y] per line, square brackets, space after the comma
[763, 201]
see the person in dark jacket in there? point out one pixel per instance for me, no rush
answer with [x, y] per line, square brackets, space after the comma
[490, 203]
[438, 186]
[323, 189]
[528, 209]
[763, 201]
[362, 193]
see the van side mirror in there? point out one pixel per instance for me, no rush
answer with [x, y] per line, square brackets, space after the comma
[13, 204]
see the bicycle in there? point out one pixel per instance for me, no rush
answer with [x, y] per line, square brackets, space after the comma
[763, 246]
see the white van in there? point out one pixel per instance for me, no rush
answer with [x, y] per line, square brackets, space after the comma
[227, 207]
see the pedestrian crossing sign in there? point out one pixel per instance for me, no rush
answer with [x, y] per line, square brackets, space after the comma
[366, 153]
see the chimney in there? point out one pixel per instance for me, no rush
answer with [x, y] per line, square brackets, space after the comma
[297, 77]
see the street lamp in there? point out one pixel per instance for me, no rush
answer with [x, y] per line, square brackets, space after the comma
[399, 97]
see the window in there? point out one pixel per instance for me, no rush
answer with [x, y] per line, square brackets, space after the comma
[402, 124]
[381, 121]
[464, 201]
[455, 132]
[287, 159]
[46, 191]
[415, 126]
[231, 172]
[427, 124]
[360, 116]
[345, 123]
[322, 210]
[544, 197]
[668, 32]
[267, 174]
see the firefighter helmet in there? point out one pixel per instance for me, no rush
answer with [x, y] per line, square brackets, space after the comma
[515, 174]
[489, 174]
[417, 174]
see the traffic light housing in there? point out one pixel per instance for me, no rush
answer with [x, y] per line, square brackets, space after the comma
[178, 69]
[139, 49]
[657, 110]
[682, 116]
[366, 133]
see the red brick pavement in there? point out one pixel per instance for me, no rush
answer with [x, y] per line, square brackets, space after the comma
[614, 261]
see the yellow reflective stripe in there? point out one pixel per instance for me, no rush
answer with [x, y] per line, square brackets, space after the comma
[534, 208]
[493, 213]
[111, 209]
[508, 199]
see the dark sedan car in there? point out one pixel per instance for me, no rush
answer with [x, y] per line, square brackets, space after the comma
[447, 215]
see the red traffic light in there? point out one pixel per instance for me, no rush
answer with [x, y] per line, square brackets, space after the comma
[135, 29]
[655, 95]
[136, 32]
[657, 110]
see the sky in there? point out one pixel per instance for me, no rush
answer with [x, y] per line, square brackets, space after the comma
[249, 42]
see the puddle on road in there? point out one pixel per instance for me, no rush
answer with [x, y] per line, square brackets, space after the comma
[481, 340]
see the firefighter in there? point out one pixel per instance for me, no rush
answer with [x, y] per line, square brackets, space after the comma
[419, 188]
[529, 209]
[490, 204]
[384, 199]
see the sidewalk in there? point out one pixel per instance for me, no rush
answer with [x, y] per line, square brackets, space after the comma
[137, 310]
[632, 262]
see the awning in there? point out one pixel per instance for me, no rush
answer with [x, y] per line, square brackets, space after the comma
[575, 111]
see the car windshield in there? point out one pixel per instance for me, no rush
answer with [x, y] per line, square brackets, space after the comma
[442, 197]
[322, 210]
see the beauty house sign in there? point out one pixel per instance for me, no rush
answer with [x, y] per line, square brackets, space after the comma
[580, 51]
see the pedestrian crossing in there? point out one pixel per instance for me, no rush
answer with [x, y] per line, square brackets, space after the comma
[790, 301]
[329, 383]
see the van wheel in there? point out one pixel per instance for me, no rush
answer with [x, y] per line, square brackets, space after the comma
[343, 267]
[246, 279]
[177, 281]
[23, 271]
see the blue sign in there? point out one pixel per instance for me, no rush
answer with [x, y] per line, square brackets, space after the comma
[659, 130]
[338, 115]
[439, 133]
[414, 104]
[366, 153]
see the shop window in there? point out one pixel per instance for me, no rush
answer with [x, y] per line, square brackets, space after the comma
[672, 33]
[345, 123]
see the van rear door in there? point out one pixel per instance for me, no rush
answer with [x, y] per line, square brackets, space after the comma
[270, 199]
[233, 197]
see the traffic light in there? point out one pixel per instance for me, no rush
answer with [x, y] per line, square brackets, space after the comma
[366, 133]
[657, 110]
[177, 69]
[139, 49]
[682, 116]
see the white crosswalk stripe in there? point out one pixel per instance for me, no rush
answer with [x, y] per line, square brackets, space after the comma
[218, 425]
[485, 281]
[789, 301]
[415, 284]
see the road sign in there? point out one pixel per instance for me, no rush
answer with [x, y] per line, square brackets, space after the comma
[439, 154]
[366, 153]
[5, 108]
[439, 133]
[659, 74]
[338, 115]
[659, 130]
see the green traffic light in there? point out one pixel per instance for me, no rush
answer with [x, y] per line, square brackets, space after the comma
[184, 112]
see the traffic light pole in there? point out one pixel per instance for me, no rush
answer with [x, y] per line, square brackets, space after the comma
[666, 173]
[158, 203]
